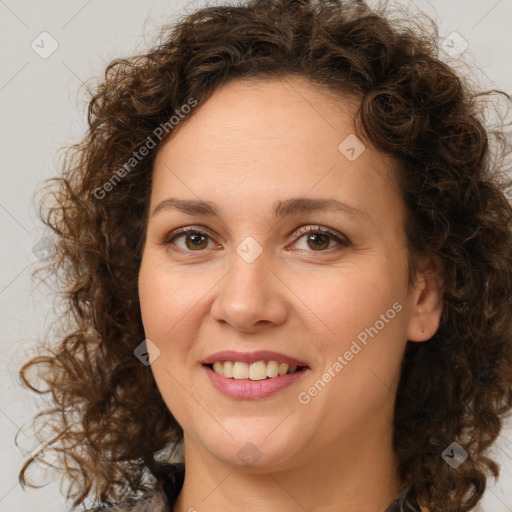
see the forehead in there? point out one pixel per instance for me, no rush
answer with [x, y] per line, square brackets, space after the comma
[252, 111]
[274, 138]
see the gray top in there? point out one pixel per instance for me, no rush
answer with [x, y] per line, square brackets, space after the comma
[163, 496]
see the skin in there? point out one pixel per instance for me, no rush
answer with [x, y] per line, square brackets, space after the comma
[251, 144]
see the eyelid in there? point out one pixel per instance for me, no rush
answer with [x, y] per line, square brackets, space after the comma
[297, 234]
[323, 230]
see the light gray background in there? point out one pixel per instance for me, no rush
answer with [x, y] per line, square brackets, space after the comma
[42, 110]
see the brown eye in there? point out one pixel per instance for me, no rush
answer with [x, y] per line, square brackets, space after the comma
[195, 240]
[318, 239]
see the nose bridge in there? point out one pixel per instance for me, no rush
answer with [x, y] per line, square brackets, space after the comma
[250, 266]
[249, 292]
[249, 273]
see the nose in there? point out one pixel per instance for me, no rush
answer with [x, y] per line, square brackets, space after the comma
[250, 296]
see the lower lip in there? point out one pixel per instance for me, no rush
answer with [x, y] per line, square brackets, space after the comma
[245, 389]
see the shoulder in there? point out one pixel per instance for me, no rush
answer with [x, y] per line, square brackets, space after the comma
[160, 498]
[152, 501]
[406, 502]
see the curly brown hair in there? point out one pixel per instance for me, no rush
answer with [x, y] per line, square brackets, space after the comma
[111, 426]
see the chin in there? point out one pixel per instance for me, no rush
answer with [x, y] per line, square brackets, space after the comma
[254, 449]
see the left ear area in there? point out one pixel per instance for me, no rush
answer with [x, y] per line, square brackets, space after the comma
[426, 302]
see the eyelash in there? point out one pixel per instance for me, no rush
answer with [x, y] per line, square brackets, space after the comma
[340, 239]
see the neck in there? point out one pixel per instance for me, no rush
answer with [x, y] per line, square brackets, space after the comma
[357, 474]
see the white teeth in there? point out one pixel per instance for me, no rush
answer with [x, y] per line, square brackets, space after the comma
[283, 368]
[259, 370]
[240, 370]
[218, 367]
[272, 369]
[228, 369]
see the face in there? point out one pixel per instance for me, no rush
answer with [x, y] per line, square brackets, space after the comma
[322, 286]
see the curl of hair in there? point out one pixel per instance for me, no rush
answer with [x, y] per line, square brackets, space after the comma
[110, 422]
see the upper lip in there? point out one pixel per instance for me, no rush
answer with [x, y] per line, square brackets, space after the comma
[252, 357]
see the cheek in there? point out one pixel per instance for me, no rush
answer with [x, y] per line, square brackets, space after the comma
[164, 306]
[362, 339]
[349, 300]
[173, 303]
[362, 320]
[165, 298]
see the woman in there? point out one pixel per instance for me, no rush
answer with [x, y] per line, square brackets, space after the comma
[286, 245]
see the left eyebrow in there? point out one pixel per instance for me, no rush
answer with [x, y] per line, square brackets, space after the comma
[305, 204]
[289, 207]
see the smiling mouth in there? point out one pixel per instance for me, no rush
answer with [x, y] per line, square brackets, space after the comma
[260, 370]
